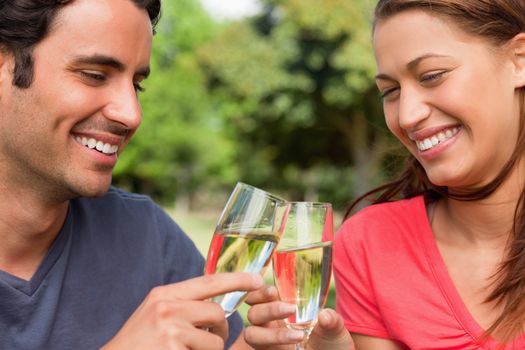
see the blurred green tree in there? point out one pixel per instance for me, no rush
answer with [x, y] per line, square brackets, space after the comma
[284, 100]
[295, 87]
[180, 146]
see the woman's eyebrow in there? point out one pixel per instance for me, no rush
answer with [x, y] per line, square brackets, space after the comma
[412, 64]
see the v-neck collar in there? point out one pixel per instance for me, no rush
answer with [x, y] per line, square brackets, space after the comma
[450, 292]
[29, 287]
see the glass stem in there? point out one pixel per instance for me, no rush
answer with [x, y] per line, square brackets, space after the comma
[303, 344]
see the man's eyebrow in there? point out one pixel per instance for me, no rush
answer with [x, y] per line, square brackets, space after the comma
[411, 65]
[112, 62]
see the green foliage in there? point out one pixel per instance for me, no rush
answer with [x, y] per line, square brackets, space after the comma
[293, 84]
[284, 100]
[180, 145]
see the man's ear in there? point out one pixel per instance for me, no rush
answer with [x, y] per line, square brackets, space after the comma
[3, 69]
[7, 65]
[516, 48]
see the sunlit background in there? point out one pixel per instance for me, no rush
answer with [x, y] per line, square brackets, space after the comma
[277, 93]
[222, 10]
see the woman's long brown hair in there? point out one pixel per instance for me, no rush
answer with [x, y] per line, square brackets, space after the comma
[497, 21]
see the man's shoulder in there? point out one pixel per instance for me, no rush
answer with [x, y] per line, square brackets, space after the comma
[120, 208]
[119, 194]
[123, 214]
[117, 198]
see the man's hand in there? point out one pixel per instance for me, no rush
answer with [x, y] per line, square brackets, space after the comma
[177, 316]
[268, 330]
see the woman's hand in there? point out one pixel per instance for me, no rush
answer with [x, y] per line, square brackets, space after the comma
[268, 330]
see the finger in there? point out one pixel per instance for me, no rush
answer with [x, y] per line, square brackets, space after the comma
[221, 329]
[330, 322]
[209, 314]
[262, 295]
[198, 339]
[260, 314]
[330, 326]
[262, 336]
[205, 287]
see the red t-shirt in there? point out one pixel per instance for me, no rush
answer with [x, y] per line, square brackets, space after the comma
[392, 282]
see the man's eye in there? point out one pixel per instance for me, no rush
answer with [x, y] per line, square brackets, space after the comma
[93, 76]
[138, 87]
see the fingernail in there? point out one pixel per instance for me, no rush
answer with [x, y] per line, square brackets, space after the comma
[325, 316]
[295, 335]
[270, 291]
[287, 308]
[257, 280]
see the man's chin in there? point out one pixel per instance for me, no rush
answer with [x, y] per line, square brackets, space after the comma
[91, 190]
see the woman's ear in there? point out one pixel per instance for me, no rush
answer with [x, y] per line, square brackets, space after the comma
[516, 48]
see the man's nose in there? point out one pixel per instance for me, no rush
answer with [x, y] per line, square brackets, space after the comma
[124, 108]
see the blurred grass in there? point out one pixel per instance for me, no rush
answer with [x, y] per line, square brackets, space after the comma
[199, 226]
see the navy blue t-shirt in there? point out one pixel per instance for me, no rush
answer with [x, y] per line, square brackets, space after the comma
[109, 254]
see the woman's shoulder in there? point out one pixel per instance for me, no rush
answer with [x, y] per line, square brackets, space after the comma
[394, 210]
[389, 221]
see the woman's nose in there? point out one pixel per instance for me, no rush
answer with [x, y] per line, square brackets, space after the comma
[413, 108]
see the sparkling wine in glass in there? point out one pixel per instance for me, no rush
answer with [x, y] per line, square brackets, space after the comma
[245, 237]
[302, 265]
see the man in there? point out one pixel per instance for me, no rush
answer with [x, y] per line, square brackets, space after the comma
[82, 267]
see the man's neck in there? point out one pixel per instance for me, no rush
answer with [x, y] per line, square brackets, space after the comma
[28, 227]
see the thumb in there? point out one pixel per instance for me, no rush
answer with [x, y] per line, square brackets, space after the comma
[330, 324]
[330, 332]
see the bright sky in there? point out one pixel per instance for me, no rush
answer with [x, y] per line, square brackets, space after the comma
[231, 9]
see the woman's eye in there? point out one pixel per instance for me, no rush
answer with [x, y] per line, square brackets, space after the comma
[431, 77]
[388, 92]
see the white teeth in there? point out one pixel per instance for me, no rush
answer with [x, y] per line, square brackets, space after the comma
[107, 148]
[100, 146]
[434, 140]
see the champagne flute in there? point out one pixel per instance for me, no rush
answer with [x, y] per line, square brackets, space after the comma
[302, 265]
[245, 237]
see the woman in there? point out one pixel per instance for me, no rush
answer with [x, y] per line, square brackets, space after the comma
[439, 261]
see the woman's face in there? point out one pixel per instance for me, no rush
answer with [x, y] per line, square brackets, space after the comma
[448, 96]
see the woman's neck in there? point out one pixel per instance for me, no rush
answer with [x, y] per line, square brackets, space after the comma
[486, 220]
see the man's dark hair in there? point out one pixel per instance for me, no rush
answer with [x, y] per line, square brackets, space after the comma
[24, 23]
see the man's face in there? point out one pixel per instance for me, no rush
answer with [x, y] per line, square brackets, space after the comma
[61, 136]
